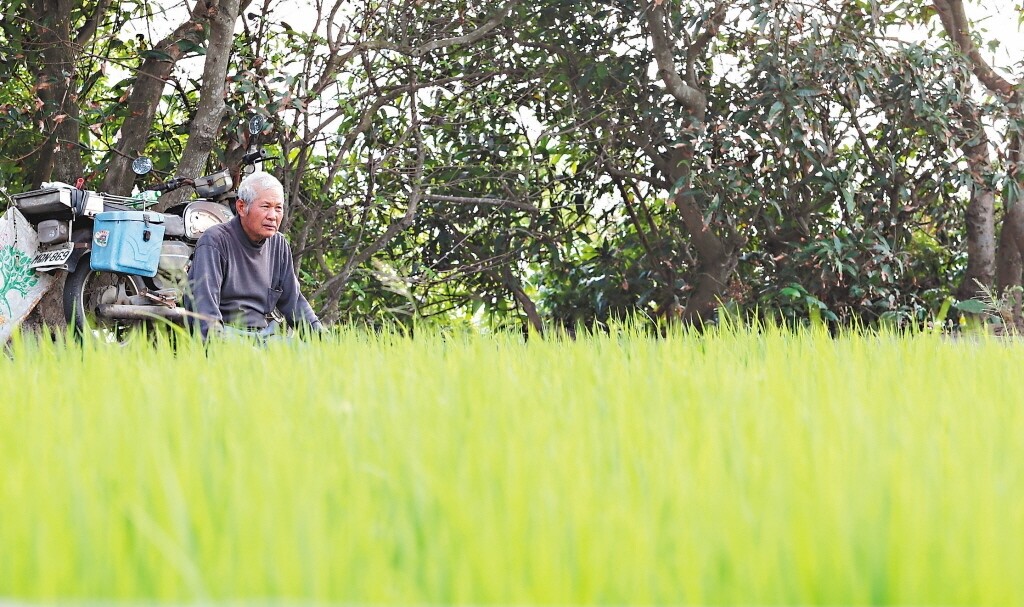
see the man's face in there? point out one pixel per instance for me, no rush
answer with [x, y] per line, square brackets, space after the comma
[262, 217]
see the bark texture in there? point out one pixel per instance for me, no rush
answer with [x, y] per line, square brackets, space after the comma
[145, 94]
[206, 124]
[59, 158]
[1010, 251]
[981, 221]
[717, 253]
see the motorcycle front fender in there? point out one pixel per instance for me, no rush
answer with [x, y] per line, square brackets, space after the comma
[82, 240]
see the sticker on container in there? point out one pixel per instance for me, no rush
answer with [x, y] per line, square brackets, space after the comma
[99, 238]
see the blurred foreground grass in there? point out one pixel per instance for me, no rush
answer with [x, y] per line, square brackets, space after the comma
[736, 467]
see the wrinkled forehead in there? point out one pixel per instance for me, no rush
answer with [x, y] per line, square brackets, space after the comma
[270, 197]
[268, 194]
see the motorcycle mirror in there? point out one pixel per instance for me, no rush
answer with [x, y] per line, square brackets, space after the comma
[256, 125]
[142, 165]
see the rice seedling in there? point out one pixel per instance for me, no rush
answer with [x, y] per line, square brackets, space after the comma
[741, 466]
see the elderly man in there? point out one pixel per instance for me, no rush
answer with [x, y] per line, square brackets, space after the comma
[242, 270]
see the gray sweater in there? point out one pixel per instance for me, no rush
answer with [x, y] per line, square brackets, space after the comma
[235, 281]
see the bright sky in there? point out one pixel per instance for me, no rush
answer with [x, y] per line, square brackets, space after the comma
[995, 20]
[1002, 19]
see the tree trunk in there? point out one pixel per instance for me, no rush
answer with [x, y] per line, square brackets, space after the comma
[717, 258]
[145, 96]
[981, 244]
[981, 220]
[60, 157]
[1011, 240]
[519, 294]
[207, 122]
[1010, 259]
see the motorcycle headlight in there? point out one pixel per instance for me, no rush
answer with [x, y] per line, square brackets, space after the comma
[214, 185]
[201, 214]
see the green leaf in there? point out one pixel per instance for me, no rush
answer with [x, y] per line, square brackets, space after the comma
[971, 306]
[187, 46]
[155, 54]
[809, 92]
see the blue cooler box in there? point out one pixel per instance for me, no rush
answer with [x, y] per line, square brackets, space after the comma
[127, 242]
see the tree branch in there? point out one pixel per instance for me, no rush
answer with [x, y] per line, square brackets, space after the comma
[499, 202]
[700, 46]
[692, 98]
[211, 107]
[958, 27]
[471, 37]
[145, 94]
[334, 285]
[88, 29]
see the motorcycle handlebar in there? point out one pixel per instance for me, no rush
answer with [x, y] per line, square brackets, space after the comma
[257, 155]
[172, 184]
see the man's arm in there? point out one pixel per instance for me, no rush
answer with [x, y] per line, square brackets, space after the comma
[205, 278]
[293, 304]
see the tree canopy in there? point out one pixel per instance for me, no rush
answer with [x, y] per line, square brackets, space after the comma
[559, 163]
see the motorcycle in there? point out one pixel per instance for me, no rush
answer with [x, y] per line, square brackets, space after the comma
[127, 265]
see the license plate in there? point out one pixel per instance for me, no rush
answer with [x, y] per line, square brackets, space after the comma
[51, 258]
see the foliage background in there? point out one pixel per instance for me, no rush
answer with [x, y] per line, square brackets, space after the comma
[560, 163]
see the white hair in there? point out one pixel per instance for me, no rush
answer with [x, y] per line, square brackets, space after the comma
[253, 185]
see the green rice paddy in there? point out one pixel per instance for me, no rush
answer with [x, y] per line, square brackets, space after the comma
[754, 467]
